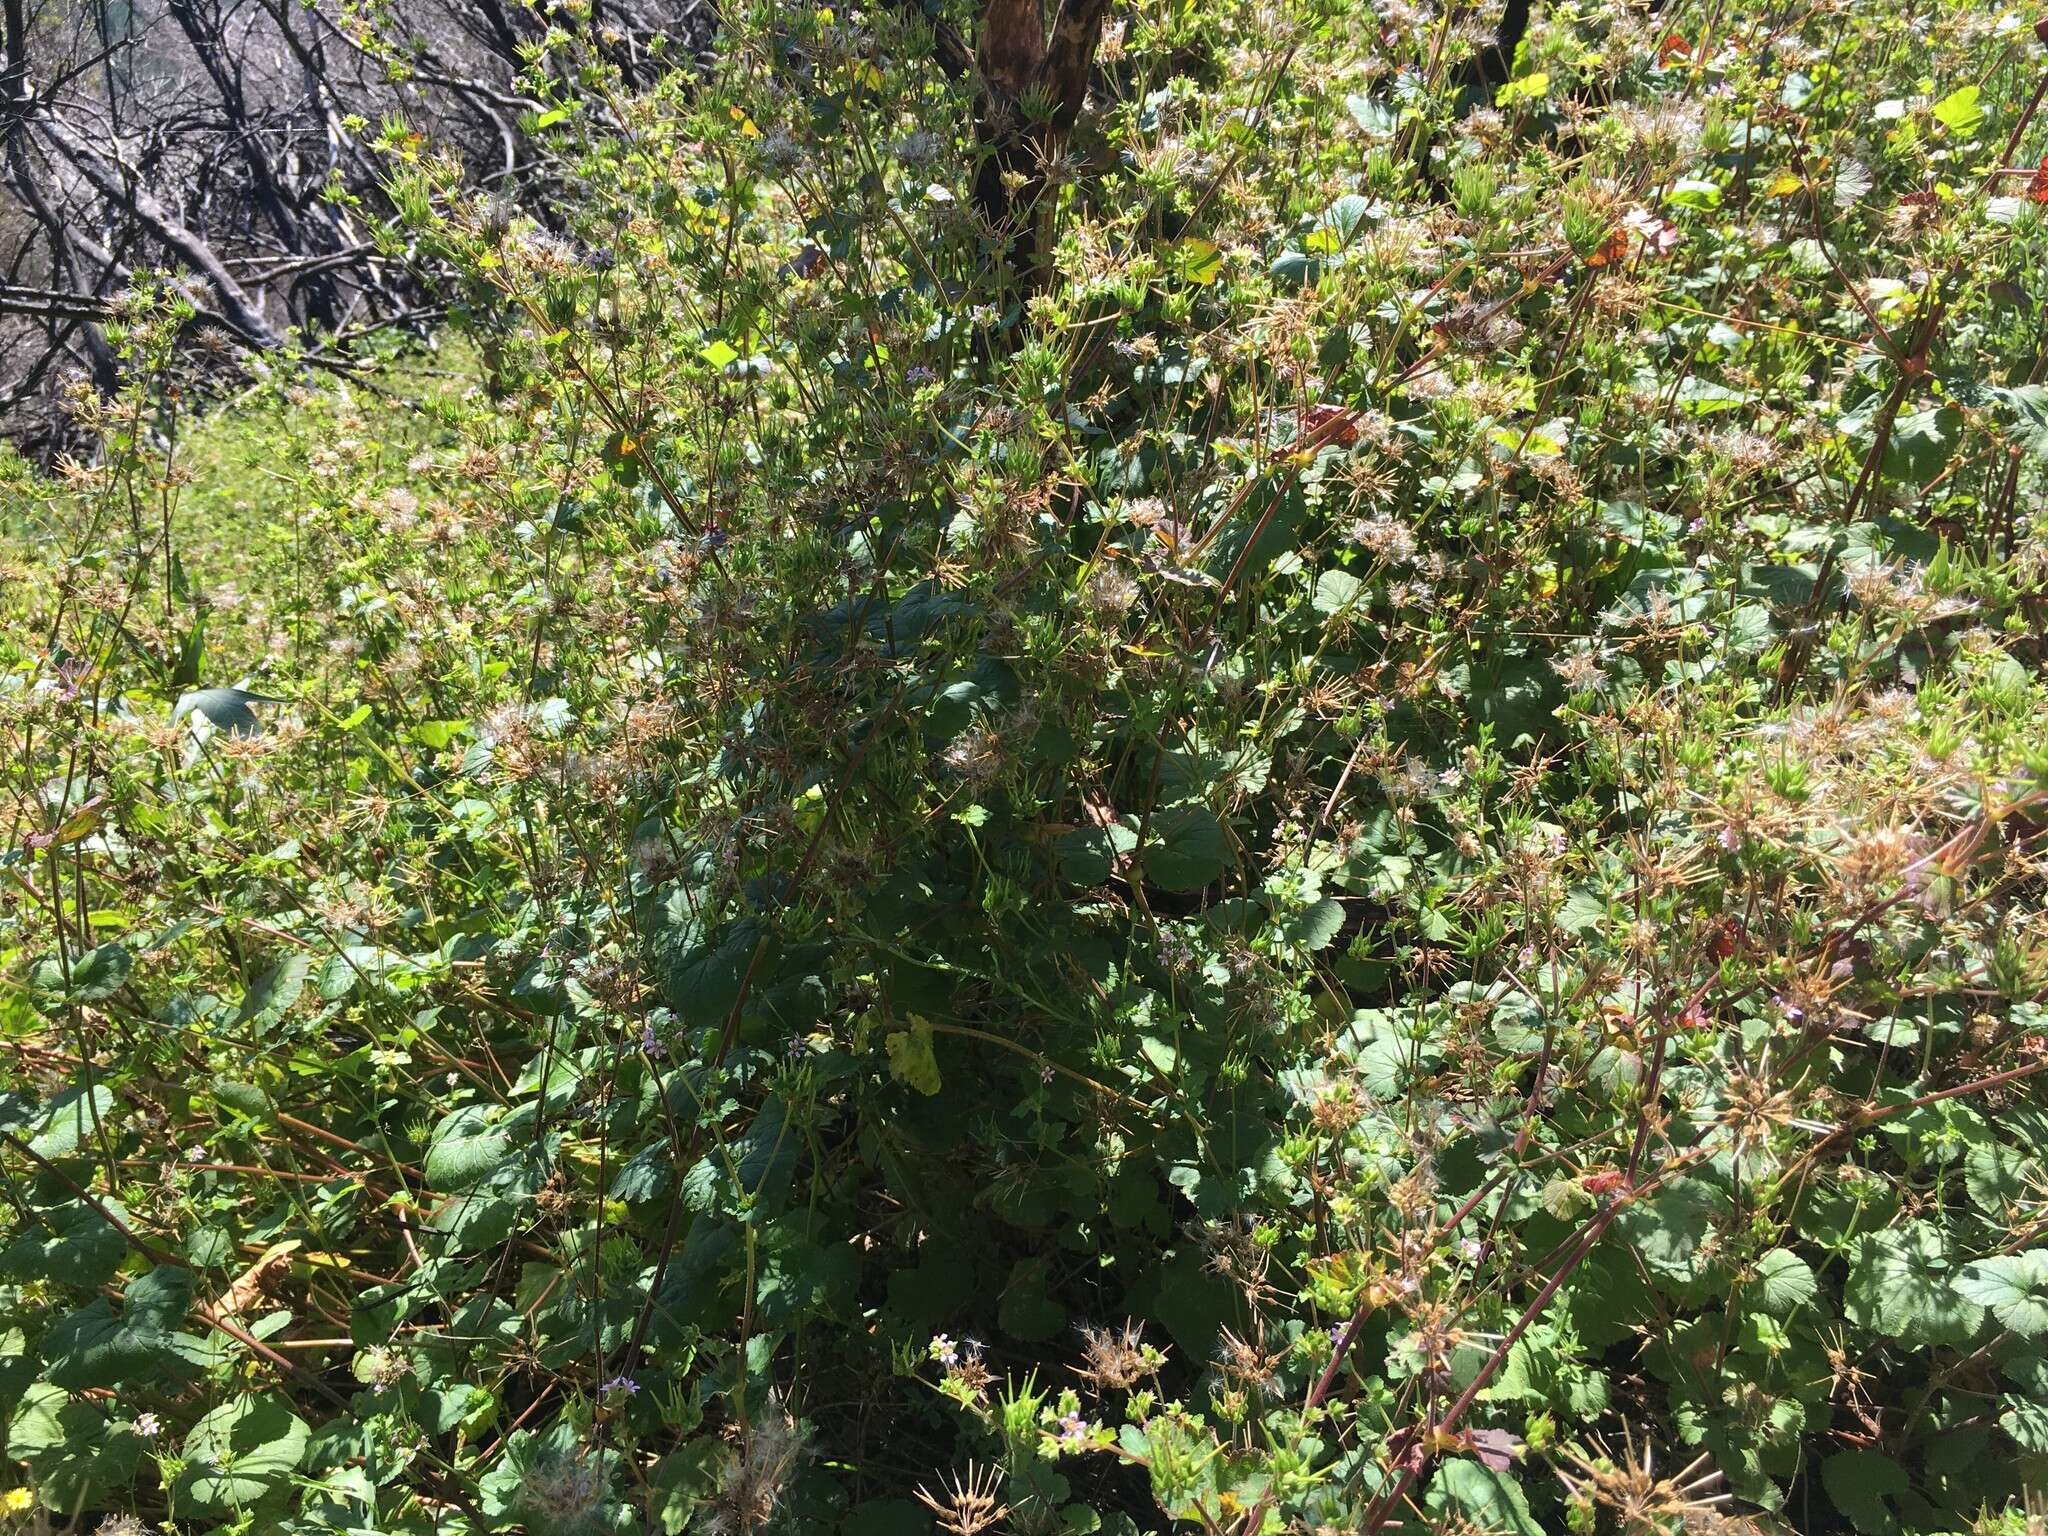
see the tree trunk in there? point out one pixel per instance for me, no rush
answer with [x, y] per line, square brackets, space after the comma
[1032, 90]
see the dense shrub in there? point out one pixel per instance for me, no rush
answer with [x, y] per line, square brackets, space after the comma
[1373, 862]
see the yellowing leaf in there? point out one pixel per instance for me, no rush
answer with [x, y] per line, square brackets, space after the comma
[1785, 185]
[80, 822]
[808, 810]
[437, 734]
[1959, 112]
[1200, 260]
[910, 1056]
[1533, 87]
[719, 353]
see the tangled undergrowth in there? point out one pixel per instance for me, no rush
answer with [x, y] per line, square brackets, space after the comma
[1375, 863]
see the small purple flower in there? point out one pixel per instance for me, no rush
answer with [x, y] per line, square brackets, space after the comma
[619, 1384]
[1073, 1430]
[1176, 950]
[148, 1425]
[650, 1043]
[944, 1350]
[917, 373]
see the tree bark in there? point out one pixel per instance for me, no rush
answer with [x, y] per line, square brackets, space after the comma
[1032, 91]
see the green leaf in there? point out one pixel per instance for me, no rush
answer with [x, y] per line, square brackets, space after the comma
[1860, 1482]
[1900, 1284]
[621, 454]
[226, 709]
[1297, 269]
[239, 1455]
[94, 1348]
[72, 1121]
[1998, 1175]
[1336, 591]
[75, 1455]
[468, 1144]
[1668, 1230]
[703, 983]
[1921, 444]
[1372, 117]
[1493, 1501]
[1583, 911]
[1088, 855]
[2014, 1286]
[2026, 1420]
[2029, 404]
[74, 1241]
[95, 975]
[1314, 928]
[244, 1099]
[719, 353]
[1960, 112]
[1704, 397]
[341, 972]
[1780, 1282]
[1382, 1054]
[272, 997]
[435, 735]
[1530, 87]
[1342, 220]
[1188, 849]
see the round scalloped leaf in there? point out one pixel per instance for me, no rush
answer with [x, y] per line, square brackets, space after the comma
[1781, 1281]
[1089, 855]
[75, 1455]
[2014, 1286]
[92, 976]
[74, 1241]
[1315, 926]
[239, 1455]
[1860, 1482]
[93, 1347]
[1902, 1285]
[1187, 850]
[1492, 1500]
[225, 709]
[468, 1144]
[72, 1121]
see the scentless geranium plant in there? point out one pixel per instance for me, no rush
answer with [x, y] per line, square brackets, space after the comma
[1304, 795]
